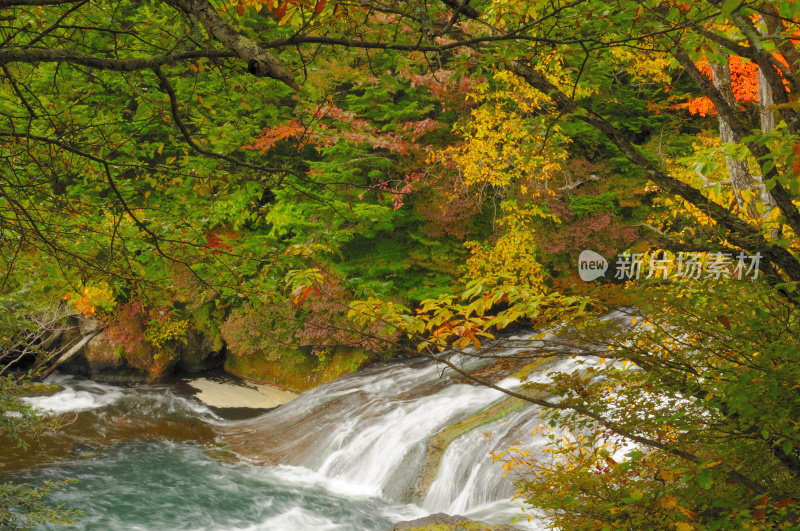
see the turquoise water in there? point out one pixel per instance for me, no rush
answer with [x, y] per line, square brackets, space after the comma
[344, 456]
[160, 485]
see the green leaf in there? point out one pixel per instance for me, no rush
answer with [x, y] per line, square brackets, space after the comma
[728, 7]
[787, 447]
[704, 480]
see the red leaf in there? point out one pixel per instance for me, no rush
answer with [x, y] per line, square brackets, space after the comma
[761, 508]
[785, 503]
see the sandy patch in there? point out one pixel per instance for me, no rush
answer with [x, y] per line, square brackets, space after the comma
[218, 394]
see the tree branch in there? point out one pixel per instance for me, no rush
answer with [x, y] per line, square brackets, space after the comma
[260, 62]
[740, 233]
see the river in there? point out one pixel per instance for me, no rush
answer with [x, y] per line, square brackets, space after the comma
[347, 455]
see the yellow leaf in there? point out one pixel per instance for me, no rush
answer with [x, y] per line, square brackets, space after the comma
[669, 501]
[683, 526]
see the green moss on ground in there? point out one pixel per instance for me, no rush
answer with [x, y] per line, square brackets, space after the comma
[36, 389]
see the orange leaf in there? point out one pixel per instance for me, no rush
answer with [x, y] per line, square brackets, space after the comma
[300, 294]
[691, 515]
[475, 341]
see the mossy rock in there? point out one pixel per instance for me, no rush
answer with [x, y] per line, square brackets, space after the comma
[157, 363]
[295, 369]
[102, 354]
[35, 389]
[438, 443]
[445, 522]
[198, 353]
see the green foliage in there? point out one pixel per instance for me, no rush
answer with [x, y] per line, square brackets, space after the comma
[23, 506]
[587, 204]
[307, 228]
[706, 375]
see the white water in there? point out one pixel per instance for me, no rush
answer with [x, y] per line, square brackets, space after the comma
[361, 439]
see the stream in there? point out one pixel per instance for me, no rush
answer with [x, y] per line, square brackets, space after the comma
[347, 455]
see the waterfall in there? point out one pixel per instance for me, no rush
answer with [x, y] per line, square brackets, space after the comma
[371, 431]
[363, 438]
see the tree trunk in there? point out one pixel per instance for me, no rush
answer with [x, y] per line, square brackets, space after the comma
[741, 179]
[765, 103]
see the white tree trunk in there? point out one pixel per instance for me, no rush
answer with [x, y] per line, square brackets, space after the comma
[765, 103]
[741, 179]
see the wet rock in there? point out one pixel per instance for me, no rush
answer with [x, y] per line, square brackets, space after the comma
[103, 355]
[87, 325]
[438, 444]
[104, 360]
[198, 354]
[83, 450]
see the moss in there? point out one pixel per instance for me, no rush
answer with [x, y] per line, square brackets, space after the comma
[439, 442]
[445, 522]
[296, 369]
[466, 526]
[206, 319]
[36, 389]
[529, 368]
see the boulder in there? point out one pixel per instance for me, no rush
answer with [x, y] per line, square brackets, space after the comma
[145, 357]
[295, 369]
[103, 355]
[71, 333]
[87, 325]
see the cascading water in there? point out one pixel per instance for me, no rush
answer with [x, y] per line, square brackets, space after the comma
[347, 455]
